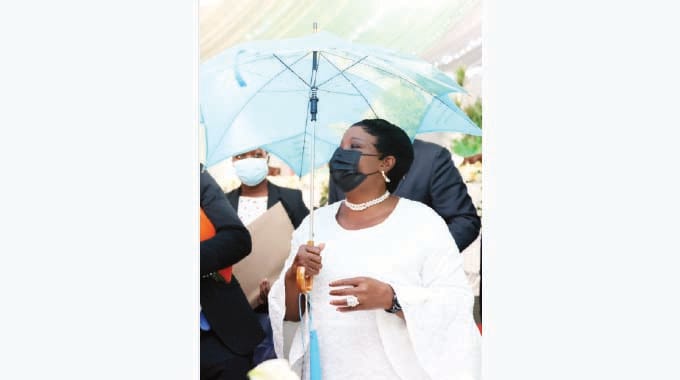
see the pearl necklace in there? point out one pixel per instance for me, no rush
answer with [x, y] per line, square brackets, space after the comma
[365, 205]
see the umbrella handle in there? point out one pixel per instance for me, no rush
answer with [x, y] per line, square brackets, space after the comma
[304, 283]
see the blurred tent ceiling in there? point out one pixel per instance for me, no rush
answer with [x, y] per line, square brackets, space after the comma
[447, 33]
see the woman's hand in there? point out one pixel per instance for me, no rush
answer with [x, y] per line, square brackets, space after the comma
[371, 293]
[265, 286]
[309, 258]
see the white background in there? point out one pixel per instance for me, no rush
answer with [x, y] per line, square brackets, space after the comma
[98, 141]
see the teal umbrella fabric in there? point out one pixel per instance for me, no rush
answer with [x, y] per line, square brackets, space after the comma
[257, 94]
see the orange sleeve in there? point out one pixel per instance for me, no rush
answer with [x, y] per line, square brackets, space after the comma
[207, 232]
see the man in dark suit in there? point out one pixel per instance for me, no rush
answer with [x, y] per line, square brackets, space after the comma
[433, 179]
[229, 328]
[256, 195]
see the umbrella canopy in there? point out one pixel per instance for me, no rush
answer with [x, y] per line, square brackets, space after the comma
[257, 94]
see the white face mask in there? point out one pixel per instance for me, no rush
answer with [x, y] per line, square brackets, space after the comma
[251, 171]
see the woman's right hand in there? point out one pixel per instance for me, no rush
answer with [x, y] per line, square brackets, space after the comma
[308, 257]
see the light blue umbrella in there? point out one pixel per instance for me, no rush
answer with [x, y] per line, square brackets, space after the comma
[296, 97]
[259, 94]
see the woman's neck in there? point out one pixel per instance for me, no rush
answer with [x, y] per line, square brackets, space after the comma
[361, 196]
[259, 190]
[374, 215]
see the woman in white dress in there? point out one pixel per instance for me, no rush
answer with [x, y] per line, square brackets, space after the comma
[390, 299]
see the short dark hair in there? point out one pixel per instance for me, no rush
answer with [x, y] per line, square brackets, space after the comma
[391, 141]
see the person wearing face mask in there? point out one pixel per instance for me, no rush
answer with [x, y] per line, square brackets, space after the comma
[434, 180]
[390, 297]
[255, 196]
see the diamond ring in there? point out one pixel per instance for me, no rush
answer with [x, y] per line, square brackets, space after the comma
[352, 301]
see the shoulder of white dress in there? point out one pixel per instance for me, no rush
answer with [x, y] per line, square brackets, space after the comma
[412, 206]
[418, 213]
[321, 214]
[327, 210]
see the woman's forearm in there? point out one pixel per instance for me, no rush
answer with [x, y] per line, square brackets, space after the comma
[292, 295]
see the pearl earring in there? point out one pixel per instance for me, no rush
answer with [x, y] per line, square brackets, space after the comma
[385, 177]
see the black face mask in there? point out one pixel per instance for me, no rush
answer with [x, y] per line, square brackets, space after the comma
[344, 168]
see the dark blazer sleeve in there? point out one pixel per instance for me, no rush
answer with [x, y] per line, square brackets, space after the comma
[451, 200]
[296, 208]
[233, 197]
[292, 202]
[231, 242]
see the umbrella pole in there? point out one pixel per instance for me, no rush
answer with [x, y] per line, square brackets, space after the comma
[314, 364]
[304, 282]
[313, 109]
[313, 104]
[311, 187]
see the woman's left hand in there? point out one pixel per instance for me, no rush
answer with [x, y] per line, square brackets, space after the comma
[264, 291]
[371, 293]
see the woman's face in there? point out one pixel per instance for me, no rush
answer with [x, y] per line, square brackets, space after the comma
[357, 139]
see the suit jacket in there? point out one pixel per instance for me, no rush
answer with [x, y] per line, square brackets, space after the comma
[225, 305]
[433, 179]
[291, 199]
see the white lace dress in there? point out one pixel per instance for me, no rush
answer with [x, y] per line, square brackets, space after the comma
[413, 251]
[250, 208]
